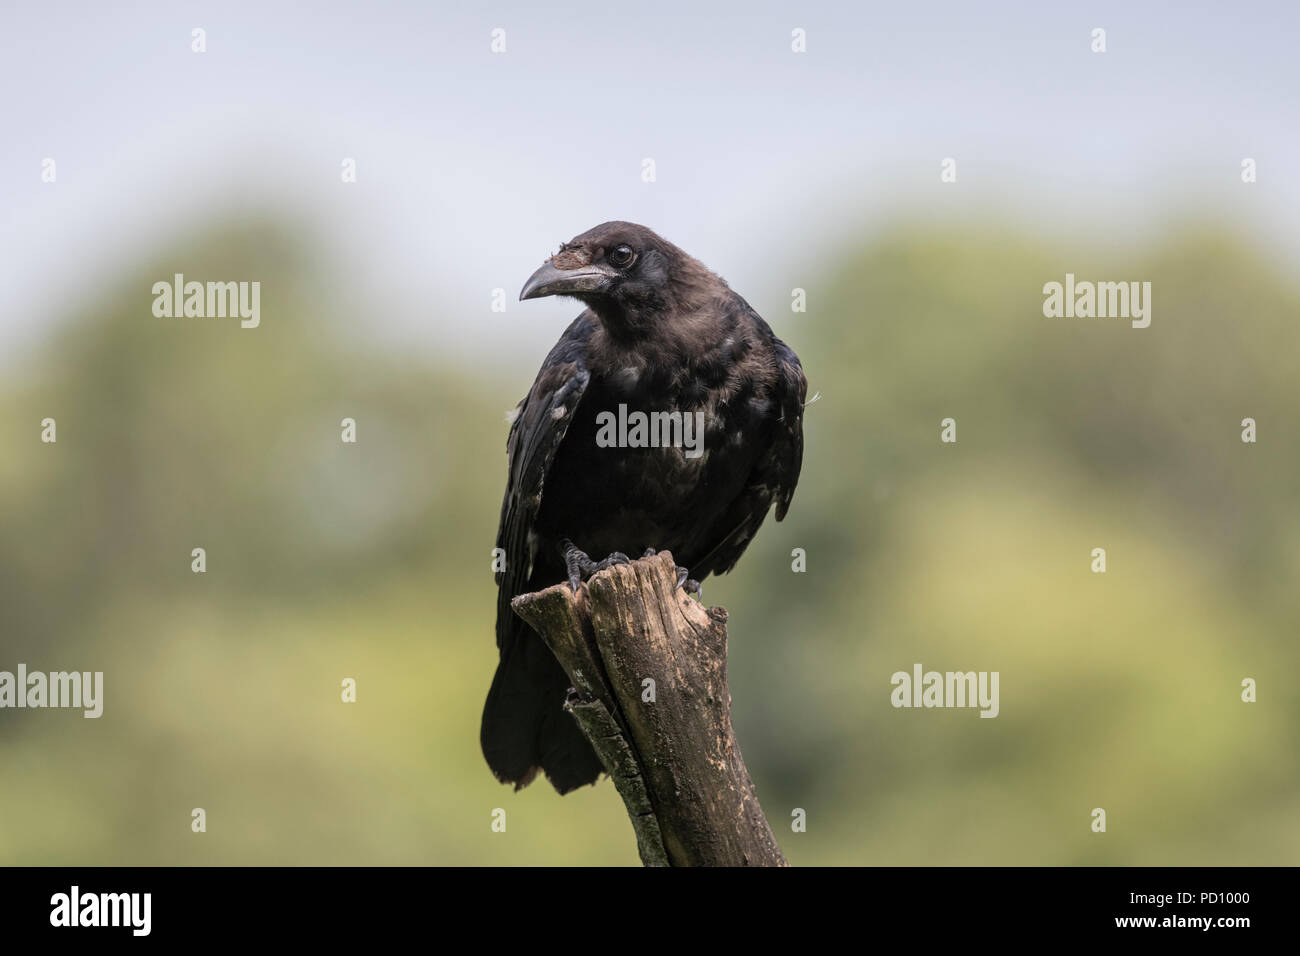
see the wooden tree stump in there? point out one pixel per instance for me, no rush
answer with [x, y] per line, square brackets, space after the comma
[667, 745]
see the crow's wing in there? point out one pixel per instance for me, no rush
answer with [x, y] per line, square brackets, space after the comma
[775, 473]
[782, 466]
[541, 421]
[524, 724]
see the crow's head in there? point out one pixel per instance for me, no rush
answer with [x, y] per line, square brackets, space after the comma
[626, 274]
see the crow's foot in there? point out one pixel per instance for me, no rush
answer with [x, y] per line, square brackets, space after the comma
[684, 579]
[579, 566]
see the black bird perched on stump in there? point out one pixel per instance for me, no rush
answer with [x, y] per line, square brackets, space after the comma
[667, 417]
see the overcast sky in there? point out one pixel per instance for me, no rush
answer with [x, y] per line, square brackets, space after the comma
[472, 166]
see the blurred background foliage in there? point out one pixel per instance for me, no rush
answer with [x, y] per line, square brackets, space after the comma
[371, 561]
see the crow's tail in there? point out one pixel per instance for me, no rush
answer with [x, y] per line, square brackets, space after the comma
[525, 727]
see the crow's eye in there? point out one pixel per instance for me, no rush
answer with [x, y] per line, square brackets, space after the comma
[621, 256]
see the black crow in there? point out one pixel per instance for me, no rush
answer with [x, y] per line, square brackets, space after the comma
[660, 334]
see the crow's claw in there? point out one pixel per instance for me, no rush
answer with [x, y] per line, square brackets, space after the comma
[684, 580]
[579, 566]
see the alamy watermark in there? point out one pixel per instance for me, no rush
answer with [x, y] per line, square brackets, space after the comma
[1098, 300]
[75, 908]
[950, 689]
[37, 689]
[637, 429]
[210, 300]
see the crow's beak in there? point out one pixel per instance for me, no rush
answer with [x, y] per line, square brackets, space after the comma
[549, 280]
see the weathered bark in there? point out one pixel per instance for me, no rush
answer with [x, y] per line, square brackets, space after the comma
[674, 758]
